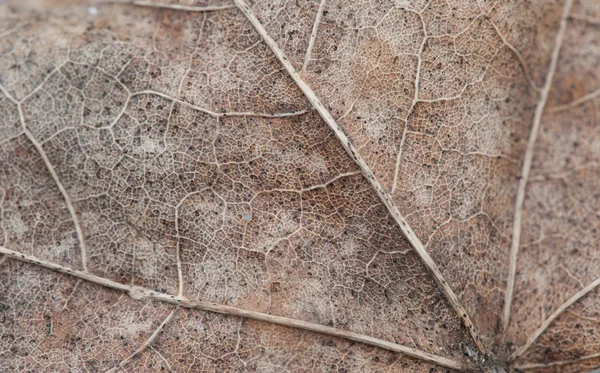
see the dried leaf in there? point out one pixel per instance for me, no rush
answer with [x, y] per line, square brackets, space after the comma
[301, 186]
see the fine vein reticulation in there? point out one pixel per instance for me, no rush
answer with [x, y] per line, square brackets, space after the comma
[368, 174]
[299, 71]
[140, 293]
[181, 301]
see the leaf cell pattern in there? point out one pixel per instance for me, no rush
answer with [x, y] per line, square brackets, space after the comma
[299, 186]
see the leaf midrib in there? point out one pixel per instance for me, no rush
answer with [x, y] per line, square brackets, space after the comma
[382, 194]
[385, 198]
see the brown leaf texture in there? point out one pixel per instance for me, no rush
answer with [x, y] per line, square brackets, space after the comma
[299, 186]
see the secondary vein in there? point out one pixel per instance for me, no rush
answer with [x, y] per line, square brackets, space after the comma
[518, 217]
[140, 293]
[366, 171]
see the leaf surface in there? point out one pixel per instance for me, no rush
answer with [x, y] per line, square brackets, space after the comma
[299, 186]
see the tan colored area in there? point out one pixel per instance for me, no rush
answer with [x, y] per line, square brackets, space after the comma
[299, 186]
